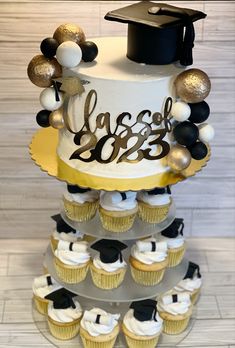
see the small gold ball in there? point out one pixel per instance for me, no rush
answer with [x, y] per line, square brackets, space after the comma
[192, 86]
[69, 32]
[179, 158]
[42, 70]
[56, 119]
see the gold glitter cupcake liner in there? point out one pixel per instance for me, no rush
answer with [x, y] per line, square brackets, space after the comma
[41, 304]
[147, 278]
[69, 273]
[101, 341]
[107, 280]
[175, 324]
[80, 212]
[134, 341]
[175, 256]
[63, 331]
[153, 214]
[117, 221]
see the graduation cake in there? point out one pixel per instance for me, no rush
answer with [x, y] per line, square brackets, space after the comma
[124, 119]
[126, 108]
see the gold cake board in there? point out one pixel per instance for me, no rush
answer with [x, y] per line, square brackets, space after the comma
[43, 152]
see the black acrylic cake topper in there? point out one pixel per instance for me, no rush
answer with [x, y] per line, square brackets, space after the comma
[175, 229]
[110, 250]
[144, 310]
[193, 269]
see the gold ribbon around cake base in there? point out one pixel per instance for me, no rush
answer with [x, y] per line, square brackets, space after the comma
[43, 152]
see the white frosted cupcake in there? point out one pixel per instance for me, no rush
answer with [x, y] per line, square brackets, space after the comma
[80, 203]
[173, 235]
[64, 314]
[72, 261]
[191, 283]
[142, 325]
[117, 210]
[108, 268]
[148, 261]
[43, 286]
[175, 310]
[154, 205]
[63, 232]
[99, 328]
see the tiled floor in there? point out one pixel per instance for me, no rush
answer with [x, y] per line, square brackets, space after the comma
[21, 260]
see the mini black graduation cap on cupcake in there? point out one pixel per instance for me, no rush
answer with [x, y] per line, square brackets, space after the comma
[61, 225]
[144, 310]
[77, 189]
[62, 298]
[110, 250]
[193, 269]
[159, 191]
[174, 229]
[156, 32]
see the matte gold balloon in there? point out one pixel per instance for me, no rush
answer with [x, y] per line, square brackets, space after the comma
[69, 32]
[178, 158]
[192, 86]
[42, 70]
[56, 119]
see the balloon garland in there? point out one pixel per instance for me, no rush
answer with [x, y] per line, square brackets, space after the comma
[66, 49]
[192, 87]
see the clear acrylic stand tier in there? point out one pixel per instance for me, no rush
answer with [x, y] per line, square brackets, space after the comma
[139, 229]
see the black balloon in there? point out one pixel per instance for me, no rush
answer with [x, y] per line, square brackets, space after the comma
[42, 118]
[199, 112]
[198, 151]
[89, 51]
[186, 133]
[48, 47]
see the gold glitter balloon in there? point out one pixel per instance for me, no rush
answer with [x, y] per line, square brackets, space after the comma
[69, 32]
[56, 119]
[42, 70]
[192, 86]
[178, 158]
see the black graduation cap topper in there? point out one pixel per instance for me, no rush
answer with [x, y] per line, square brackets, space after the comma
[110, 250]
[160, 191]
[156, 32]
[62, 298]
[76, 189]
[144, 310]
[176, 228]
[61, 225]
[192, 269]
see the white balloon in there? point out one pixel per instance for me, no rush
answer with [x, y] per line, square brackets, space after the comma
[206, 132]
[180, 111]
[69, 54]
[48, 99]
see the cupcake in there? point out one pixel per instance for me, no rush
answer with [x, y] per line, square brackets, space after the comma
[80, 204]
[148, 261]
[63, 232]
[154, 205]
[64, 314]
[72, 261]
[191, 283]
[108, 267]
[142, 325]
[173, 235]
[117, 210]
[42, 286]
[99, 329]
[175, 310]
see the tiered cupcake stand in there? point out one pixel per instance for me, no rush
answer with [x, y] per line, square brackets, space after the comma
[117, 300]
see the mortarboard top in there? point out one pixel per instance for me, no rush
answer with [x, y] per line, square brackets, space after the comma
[156, 32]
[110, 250]
[160, 191]
[61, 225]
[192, 269]
[76, 189]
[61, 298]
[144, 310]
[174, 229]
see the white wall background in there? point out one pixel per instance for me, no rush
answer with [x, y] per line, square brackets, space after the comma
[27, 196]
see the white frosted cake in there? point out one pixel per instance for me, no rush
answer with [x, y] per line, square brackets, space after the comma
[122, 98]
